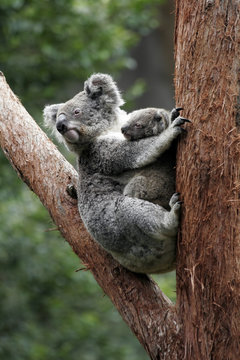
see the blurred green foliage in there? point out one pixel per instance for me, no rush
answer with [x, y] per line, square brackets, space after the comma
[48, 45]
[47, 310]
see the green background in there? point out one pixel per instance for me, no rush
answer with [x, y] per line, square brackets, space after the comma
[47, 309]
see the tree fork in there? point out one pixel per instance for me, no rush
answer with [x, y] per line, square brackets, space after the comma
[207, 83]
[148, 312]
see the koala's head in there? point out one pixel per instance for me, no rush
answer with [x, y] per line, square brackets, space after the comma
[145, 122]
[87, 115]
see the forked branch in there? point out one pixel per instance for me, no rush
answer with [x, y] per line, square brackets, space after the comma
[147, 311]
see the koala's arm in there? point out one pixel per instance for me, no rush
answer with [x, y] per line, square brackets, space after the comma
[115, 155]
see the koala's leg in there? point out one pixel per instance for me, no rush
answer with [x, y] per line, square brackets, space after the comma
[151, 233]
[154, 188]
[137, 187]
[167, 224]
[150, 219]
[155, 184]
[172, 220]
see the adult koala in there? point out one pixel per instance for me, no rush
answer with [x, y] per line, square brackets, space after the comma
[138, 234]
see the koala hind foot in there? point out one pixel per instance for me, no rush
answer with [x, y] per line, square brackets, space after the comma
[175, 203]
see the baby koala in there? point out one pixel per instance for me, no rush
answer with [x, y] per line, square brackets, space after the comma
[155, 182]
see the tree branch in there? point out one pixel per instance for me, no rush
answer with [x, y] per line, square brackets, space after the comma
[147, 311]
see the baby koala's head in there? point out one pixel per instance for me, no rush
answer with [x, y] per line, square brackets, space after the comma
[145, 122]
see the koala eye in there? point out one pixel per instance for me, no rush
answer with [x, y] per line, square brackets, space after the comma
[138, 126]
[77, 111]
[158, 117]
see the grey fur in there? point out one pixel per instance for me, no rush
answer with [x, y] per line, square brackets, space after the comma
[155, 182]
[139, 234]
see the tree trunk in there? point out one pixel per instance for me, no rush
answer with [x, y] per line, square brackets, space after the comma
[205, 322]
[207, 82]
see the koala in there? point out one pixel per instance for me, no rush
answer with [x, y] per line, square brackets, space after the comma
[140, 235]
[155, 182]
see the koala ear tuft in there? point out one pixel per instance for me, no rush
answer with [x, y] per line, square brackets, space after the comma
[50, 115]
[93, 86]
[102, 86]
[97, 93]
[87, 89]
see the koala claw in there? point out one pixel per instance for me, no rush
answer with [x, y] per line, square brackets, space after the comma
[71, 190]
[174, 200]
[175, 113]
[180, 121]
[185, 120]
[177, 206]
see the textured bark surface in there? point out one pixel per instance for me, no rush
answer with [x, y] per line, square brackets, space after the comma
[207, 81]
[147, 311]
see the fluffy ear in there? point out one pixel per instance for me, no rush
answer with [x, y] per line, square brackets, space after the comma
[102, 87]
[50, 115]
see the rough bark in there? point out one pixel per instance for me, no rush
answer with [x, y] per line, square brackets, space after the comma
[147, 311]
[207, 82]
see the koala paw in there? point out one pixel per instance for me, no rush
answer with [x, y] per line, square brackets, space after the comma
[177, 124]
[175, 113]
[175, 203]
[71, 190]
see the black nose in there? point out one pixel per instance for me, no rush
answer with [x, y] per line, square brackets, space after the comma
[62, 124]
[124, 129]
